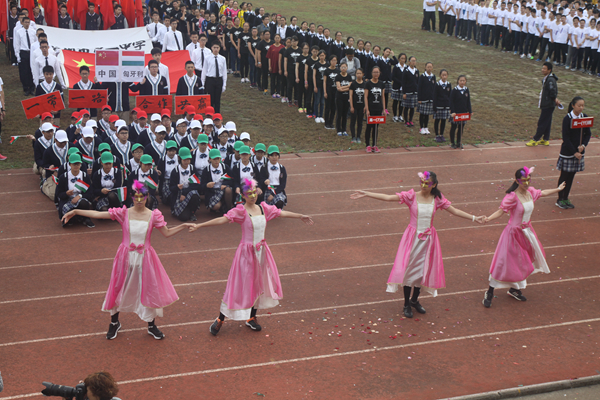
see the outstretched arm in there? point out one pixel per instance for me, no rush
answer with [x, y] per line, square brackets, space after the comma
[305, 218]
[495, 215]
[168, 232]
[86, 213]
[384, 197]
[212, 222]
[549, 192]
[462, 214]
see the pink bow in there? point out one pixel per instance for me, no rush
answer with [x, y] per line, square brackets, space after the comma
[526, 225]
[139, 248]
[260, 244]
[423, 236]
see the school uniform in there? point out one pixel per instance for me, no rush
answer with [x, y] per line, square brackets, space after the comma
[187, 86]
[410, 87]
[441, 108]
[53, 155]
[87, 86]
[90, 150]
[122, 150]
[397, 73]
[189, 142]
[186, 208]
[93, 22]
[97, 164]
[45, 88]
[153, 86]
[460, 102]
[65, 22]
[120, 22]
[251, 171]
[259, 163]
[426, 88]
[118, 95]
[385, 68]
[225, 149]
[567, 163]
[156, 150]
[213, 196]
[138, 175]
[136, 131]
[166, 166]
[325, 44]
[102, 180]
[39, 147]
[338, 48]
[358, 102]
[342, 100]
[67, 182]
[277, 176]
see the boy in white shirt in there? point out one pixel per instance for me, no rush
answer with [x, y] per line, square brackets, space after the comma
[578, 41]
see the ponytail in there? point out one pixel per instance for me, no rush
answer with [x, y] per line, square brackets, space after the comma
[434, 190]
[518, 175]
[573, 102]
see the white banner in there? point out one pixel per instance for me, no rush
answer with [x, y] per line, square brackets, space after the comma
[119, 65]
[89, 41]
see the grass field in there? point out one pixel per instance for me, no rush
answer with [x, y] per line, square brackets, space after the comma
[504, 88]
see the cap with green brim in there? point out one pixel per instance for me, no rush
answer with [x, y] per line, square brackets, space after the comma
[238, 145]
[214, 153]
[73, 150]
[136, 146]
[103, 147]
[74, 159]
[146, 159]
[245, 150]
[106, 158]
[202, 138]
[171, 144]
[273, 149]
[184, 153]
[260, 147]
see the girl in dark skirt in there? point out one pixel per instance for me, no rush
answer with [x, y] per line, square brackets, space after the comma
[72, 191]
[184, 186]
[397, 73]
[104, 181]
[374, 105]
[570, 161]
[410, 79]
[216, 184]
[166, 166]
[441, 105]
[425, 98]
[460, 103]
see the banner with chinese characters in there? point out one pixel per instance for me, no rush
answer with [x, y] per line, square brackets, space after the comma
[132, 66]
[154, 104]
[38, 105]
[199, 102]
[108, 65]
[88, 98]
[89, 41]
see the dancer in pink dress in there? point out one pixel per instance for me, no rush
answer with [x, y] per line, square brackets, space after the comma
[419, 259]
[253, 281]
[519, 252]
[138, 282]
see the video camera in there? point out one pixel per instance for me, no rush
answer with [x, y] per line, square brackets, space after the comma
[78, 392]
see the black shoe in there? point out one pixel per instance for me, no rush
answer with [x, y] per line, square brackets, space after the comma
[516, 294]
[88, 222]
[408, 312]
[154, 331]
[253, 324]
[568, 204]
[487, 299]
[453, 146]
[112, 330]
[417, 306]
[216, 327]
[461, 146]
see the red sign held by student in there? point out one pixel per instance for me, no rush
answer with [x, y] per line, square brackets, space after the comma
[376, 119]
[154, 104]
[580, 123]
[462, 117]
[88, 98]
[38, 105]
[199, 102]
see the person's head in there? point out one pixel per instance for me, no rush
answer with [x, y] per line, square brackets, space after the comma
[25, 22]
[249, 191]
[368, 46]
[75, 164]
[273, 152]
[118, 10]
[44, 47]
[140, 192]
[349, 52]
[84, 73]
[13, 9]
[288, 42]
[360, 45]
[332, 61]
[254, 32]
[216, 47]
[48, 71]
[153, 67]
[320, 29]
[123, 134]
[223, 136]
[350, 41]
[412, 61]
[189, 68]
[245, 138]
[181, 126]
[376, 50]
[577, 105]
[259, 150]
[161, 133]
[462, 80]
[61, 139]
[360, 74]
[429, 183]
[326, 32]
[322, 56]
[282, 20]
[267, 35]
[91, 8]
[444, 75]
[429, 67]
[375, 72]
[173, 24]
[547, 68]
[47, 130]
[106, 159]
[137, 150]
[155, 17]
[343, 67]
[156, 53]
[214, 157]
[522, 179]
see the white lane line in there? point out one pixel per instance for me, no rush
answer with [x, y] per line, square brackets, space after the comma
[28, 212]
[292, 243]
[23, 191]
[335, 306]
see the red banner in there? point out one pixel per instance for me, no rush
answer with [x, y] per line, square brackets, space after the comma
[462, 117]
[199, 102]
[36, 106]
[154, 104]
[372, 120]
[580, 123]
[88, 98]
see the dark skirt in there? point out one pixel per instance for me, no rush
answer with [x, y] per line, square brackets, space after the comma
[570, 164]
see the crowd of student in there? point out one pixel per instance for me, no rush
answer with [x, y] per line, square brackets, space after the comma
[564, 32]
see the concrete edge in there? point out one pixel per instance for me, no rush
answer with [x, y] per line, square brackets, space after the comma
[531, 389]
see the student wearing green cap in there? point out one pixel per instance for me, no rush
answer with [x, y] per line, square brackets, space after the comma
[276, 178]
[200, 154]
[147, 176]
[246, 169]
[73, 191]
[67, 167]
[234, 158]
[105, 182]
[137, 151]
[259, 158]
[216, 185]
[165, 166]
[105, 147]
[184, 188]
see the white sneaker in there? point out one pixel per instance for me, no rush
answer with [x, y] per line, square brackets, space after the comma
[283, 100]
[522, 55]
[422, 131]
[317, 120]
[339, 133]
[321, 120]
[427, 131]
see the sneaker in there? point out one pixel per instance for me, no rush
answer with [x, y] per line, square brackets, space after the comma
[543, 142]
[3, 158]
[344, 134]
[309, 116]
[216, 327]
[376, 149]
[252, 323]
[516, 294]
[339, 134]
[283, 100]
[193, 218]
[422, 131]
[395, 119]
[88, 222]
[155, 332]
[442, 139]
[417, 306]
[427, 131]
[487, 299]
[408, 312]
[453, 146]
[300, 110]
[531, 143]
[274, 96]
[407, 124]
[369, 149]
[522, 55]
[561, 204]
[113, 329]
[357, 140]
[400, 118]
[411, 124]
[568, 204]
[353, 140]
[573, 69]
[438, 139]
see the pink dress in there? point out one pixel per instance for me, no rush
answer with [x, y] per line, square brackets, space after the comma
[253, 279]
[419, 259]
[138, 282]
[519, 252]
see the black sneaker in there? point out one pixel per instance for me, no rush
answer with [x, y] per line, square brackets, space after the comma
[88, 222]
[154, 331]
[487, 299]
[453, 146]
[417, 306]
[253, 324]
[568, 204]
[516, 294]
[561, 204]
[216, 327]
[113, 329]
[408, 312]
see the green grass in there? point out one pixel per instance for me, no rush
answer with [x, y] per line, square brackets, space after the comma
[503, 87]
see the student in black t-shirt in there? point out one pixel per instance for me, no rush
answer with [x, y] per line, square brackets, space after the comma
[291, 57]
[357, 105]
[301, 83]
[309, 85]
[319, 70]
[252, 42]
[330, 89]
[342, 83]
[211, 31]
[234, 35]
[262, 49]
[283, 79]
[374, 106]
[243, 52]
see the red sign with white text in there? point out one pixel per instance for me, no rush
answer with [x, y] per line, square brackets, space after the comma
[580, 123]
[38, 105]
[376, 120]
[462, 117]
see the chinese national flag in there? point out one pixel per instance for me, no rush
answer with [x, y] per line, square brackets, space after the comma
[74, 60]
[129, 12]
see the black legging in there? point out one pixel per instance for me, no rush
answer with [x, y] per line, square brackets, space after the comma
[265, 77]
[409, 113]
[252, 314]
[566, 177]
[439, 127]
[423, 120]
[356, 120]
[330, 106]
[308, 98]
[459, 130]
[397, 107]
[372, 127]
[292, 87]
[275, 83]
[190, 209]
[304, 96]
[415, 297]
[343, 105]
[282, 85]
[245, 65]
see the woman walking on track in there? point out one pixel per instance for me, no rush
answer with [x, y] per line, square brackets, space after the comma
[519, 252]
[138, 281]
[419, 259]
[253, 281]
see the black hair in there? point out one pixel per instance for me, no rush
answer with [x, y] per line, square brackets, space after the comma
[189, 62]
[314, 48]
[117, 6]
[152, 62]
[444, 70]
[460, 76]
[518, 175]
[43, 41]
[574, 101]
[84, 68]
[294, 38]
[434, 190]
[348, 51]
[548, 65]
[156, 50]
[400, 55]
[411, 57]
[48, 69]
[331, 57]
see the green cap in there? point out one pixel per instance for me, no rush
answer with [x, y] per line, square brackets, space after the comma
[202, 138]
[74, 159]
[106, 158]
[171, 144]
[146, 159]
[244, 149]
[136, 146]
[103, 147]
[238, 145]
[214, 153]
[184, 153]
[260, 147]
[73, 150]
[273, 149]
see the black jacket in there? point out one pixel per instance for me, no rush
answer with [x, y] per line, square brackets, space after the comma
[549, 92]
[117, 162]
[156, 157]
[38, 152]
[51, 159]
[97, 181]
[182, 87]
[441, 95]
[426, 88]
[572, 138]
[95, 145]
[63, 187]
[257, 174]
[174, 181]
[134, 176]
[410, 82]
[145, 89]
[282, 178]
[206, 178]
[118, 95]
[460, 102]
[397, 73]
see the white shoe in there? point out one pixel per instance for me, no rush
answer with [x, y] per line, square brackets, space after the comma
[422, 131]
[321, 120]
[522, 55]
[427, 131]
[317, 120]
[339, 133]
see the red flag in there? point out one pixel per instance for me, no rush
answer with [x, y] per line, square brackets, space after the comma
[3, 17]
[38, 105]
[108, 13]
[74, 60]
[175, 60]
[139, 13]
[51, 13]
[129, 12]
[28, 4]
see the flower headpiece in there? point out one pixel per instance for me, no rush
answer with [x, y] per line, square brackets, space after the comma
[248, 186]
[139, 187]
[424, 175]
[527, 171]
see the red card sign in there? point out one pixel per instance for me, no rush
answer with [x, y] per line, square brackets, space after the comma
[376, 120]
[199, 102]
[88, 98]
[580, 123]
[38, 105]
[154, 104]
[462, 117]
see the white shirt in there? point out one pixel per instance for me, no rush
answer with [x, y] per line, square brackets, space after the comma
[247, 173]
[191, 47]
[550, 26]
[274, 174]
[594, 35]
[185, 179]
[589, 32]
[450, 4]
[201, 162]
[156, 31]
[173, 41]
[70, 176]
[38, 65]
[281, 30]
[472, 12]
[163, 70]
[209, 69]
[198, 57]
[561, 33]
[217, 176]
[515, 22]
[427, 7]
[19, 26]
[170, 167]
[107, 183]
[20, 40]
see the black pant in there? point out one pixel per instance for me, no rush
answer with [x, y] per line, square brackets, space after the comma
[551, 51]
[245, 65]
[543, 43]
[588, 58]
[458, 128]
[497, 31]
[330, 107]
[356, 120]
[568, 178]
[535, 40]
[304, 96]
[282, 85]
[275, 83]
[265, 77]
[213, 87]
[343, 105]
[372, 130]
[450, 21]
[544, 124]
[10, 52]
[25, 74]
[442, 18]
[292, 87]
[429, 17]
[595, 58]
[560, 52]
[577, 58]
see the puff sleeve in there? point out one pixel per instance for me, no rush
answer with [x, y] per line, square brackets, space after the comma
[442, 204]
[271, 212]
[509, 202]
[406, 197]
[158, 220]
[535, 193]
[237, 214]
[118, 214]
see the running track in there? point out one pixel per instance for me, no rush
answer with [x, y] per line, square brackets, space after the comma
[337, 333]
